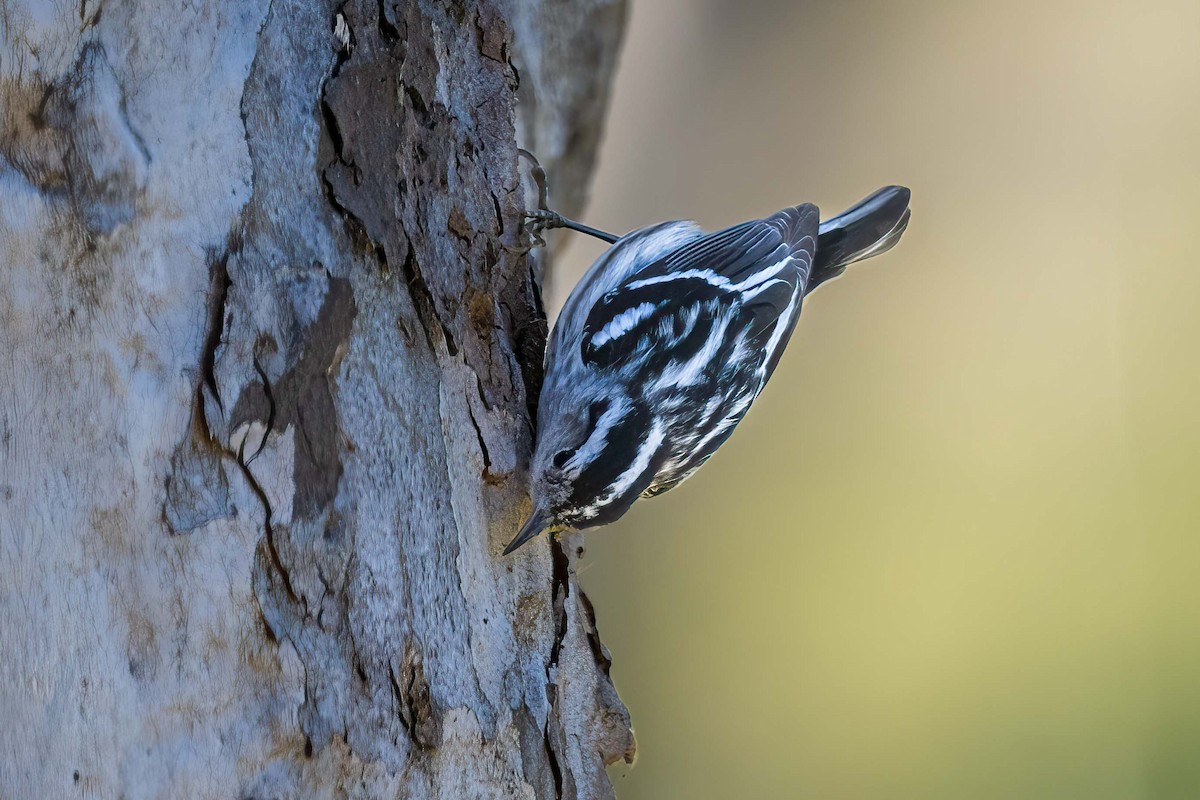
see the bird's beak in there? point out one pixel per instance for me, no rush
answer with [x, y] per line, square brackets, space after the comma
[538, 521]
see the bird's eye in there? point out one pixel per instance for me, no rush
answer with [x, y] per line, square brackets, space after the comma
[560, 458]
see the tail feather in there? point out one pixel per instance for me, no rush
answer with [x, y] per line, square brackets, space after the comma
[871, 227]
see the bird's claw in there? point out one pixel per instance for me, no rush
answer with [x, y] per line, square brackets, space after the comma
[539, 220]
[542, 218]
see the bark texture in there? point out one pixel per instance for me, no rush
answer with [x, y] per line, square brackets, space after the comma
[270, 349]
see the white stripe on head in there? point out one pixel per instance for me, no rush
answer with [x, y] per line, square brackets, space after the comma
[598, 438]
[641, 461]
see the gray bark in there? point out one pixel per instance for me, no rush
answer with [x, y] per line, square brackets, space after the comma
[270, 349]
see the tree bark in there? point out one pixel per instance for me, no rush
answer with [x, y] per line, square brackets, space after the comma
[271, 347]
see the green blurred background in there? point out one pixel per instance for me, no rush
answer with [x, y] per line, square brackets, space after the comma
[953, 551]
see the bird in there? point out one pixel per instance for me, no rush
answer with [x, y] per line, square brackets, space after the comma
[667, 340]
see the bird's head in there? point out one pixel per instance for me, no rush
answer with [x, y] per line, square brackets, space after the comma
[569, 475]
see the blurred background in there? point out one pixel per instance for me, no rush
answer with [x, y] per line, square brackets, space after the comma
[954, 550]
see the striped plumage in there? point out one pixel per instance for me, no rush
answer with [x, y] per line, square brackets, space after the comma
[666, 341]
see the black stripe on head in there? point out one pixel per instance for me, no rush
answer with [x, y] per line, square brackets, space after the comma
[621, 447]
[595, 411]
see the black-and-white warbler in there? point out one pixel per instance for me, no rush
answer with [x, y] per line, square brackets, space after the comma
[666, 341]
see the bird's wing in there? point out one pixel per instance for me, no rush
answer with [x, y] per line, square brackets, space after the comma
[748, 275]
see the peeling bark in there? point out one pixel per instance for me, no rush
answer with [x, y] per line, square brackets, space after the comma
[273, 345]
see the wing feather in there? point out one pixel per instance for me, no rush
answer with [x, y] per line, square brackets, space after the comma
[749, 274]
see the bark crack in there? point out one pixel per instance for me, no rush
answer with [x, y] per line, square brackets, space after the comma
[560, 590]
[218, 294]
[331, 129]
[593, 634]
[268, 529]
[269, 394]
[243, 463]
[423, 299]
[552, 758]
[488, 476]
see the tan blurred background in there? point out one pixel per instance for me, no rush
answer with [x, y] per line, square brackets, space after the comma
[954, 550]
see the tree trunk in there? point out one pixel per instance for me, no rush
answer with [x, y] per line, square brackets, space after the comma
[270, 349]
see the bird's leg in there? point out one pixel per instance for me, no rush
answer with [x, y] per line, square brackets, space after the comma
[542, 218]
